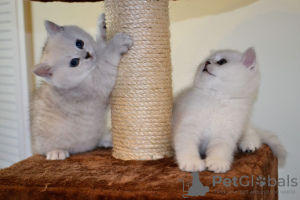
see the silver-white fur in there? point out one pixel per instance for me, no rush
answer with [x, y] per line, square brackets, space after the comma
[212, 115]
[253, 137]
[68, 113]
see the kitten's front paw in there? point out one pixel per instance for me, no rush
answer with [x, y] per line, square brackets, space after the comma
[102, 25]
[250, 143]
[217, 164]
[57, 155]
[122, 42]
[192, 164]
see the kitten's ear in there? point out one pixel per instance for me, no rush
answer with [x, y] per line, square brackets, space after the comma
[52, 28]
[42, 70]
[249, 58]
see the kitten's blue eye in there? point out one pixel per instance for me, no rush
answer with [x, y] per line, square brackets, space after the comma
[222, 62]
[74, 62]
[79, 44]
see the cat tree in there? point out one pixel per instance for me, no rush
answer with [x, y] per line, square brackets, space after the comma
[141, 125]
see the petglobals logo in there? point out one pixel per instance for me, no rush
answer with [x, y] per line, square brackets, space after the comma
[251, 181]
[195, 188]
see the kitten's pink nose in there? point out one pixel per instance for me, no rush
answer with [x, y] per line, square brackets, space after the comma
[207, 63]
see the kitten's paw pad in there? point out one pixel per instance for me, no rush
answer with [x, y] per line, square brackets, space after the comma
[192, 165]
[250, 144]
[57, 155]
[102, 25]
[123, 42]
[217, 164]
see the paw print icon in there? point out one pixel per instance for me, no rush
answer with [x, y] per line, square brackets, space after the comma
[261, 181]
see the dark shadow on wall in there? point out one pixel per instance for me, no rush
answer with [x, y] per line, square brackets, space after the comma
[185, 9]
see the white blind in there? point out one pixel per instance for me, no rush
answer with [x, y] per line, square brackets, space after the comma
[12, 124]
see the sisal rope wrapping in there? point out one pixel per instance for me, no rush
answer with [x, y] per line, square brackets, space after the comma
[141, 102]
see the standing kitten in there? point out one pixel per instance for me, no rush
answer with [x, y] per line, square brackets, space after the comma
[211, 116]
[68, 113]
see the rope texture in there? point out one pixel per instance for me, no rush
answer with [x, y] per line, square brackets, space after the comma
[141, 102]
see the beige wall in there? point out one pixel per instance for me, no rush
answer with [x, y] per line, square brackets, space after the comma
[198, 26]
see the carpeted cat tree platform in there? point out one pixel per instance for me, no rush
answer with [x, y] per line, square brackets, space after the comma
[140, 166]
[98, 175]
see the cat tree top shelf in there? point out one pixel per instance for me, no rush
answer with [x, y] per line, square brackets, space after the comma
[97, 175]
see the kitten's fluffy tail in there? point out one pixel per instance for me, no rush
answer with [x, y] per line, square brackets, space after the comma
[270, 139]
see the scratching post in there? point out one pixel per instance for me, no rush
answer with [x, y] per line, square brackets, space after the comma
[141, 102]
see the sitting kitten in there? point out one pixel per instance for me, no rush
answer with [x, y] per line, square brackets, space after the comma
[68, 113]
[211, 116]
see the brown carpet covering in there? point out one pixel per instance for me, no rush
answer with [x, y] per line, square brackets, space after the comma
[97, 175]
